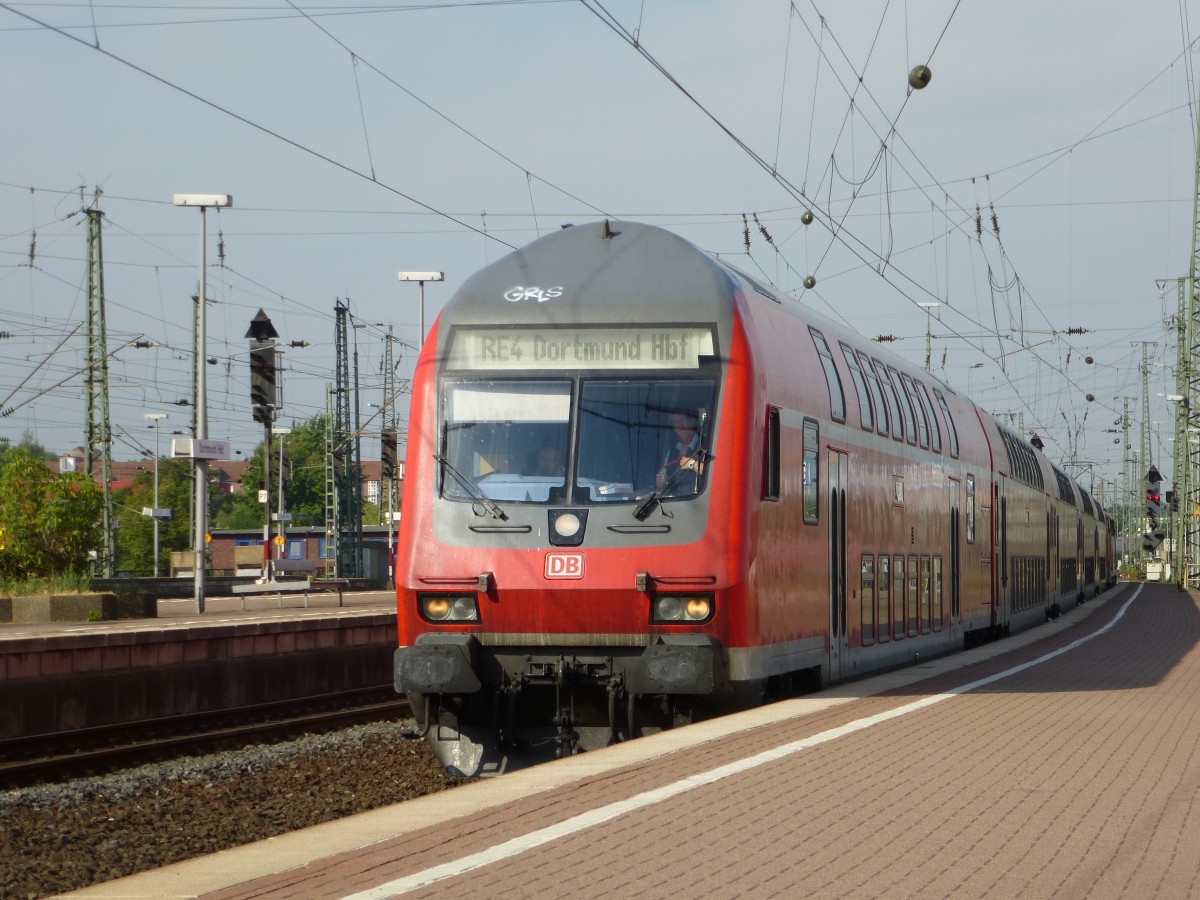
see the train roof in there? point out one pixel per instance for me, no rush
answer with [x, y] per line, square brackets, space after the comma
[591, 271]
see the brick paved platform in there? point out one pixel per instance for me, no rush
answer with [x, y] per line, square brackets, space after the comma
[1062, 763]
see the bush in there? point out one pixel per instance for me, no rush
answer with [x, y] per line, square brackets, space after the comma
[50, 523]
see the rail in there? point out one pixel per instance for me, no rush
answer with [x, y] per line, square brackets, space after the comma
[108, 747]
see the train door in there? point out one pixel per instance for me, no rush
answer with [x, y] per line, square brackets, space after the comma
[1004, 607]
[1079, 559]
[837, 563]
[955, 549]
[1052, 553]
[986, 537]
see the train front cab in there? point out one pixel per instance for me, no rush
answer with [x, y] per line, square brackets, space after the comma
[545, 610]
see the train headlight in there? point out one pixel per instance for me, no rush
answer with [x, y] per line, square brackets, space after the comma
[448, 607]
[681, 609]
[567, 525]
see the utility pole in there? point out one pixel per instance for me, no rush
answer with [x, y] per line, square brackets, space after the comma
[1145, 429]
[331, 484]
[387, 447]
[1181, 474]
[1130, 466]
[99, 425]
[347, 460]
[1189, 379]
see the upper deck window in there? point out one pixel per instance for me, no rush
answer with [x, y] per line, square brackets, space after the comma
[935, 430]
[882, 420]
[837, 399]
[892, 398]
[951, 431]
[910, 388]
[865, 404]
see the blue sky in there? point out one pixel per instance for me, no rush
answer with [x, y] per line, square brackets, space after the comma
[362, 139]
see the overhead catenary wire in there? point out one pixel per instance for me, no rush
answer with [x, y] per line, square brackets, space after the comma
[345, 167]
[780, 249]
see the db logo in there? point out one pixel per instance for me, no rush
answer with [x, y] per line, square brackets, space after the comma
[564, 565]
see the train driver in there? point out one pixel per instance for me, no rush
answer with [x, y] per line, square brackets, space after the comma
[683, 455]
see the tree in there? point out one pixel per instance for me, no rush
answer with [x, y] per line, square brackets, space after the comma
[49, 522]
[135, 534]
[303, 480]
[30, 443]
[304, 498]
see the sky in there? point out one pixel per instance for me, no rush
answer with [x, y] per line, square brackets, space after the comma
[1039, 190]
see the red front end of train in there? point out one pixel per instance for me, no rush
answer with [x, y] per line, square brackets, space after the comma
[641, 485]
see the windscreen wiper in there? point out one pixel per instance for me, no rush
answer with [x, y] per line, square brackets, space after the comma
[473, 489]
[701, 456]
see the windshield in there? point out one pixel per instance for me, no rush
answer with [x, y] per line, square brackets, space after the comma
[511, 439]
[635, 437]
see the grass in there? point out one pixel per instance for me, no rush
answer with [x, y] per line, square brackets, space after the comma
[65, 583]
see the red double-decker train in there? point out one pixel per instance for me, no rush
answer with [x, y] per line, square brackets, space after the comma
[642, 485]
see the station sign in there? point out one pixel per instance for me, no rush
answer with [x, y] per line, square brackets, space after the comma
[195, 448]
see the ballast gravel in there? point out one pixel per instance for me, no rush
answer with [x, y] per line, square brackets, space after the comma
[56, 838]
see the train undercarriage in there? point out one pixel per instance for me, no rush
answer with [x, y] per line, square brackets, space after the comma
[496, 731]
[486, 713]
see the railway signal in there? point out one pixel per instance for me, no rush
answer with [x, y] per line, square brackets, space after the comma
[1155, 532]
[264, 401]
[263, 367]
[262, 379]
[387, 455]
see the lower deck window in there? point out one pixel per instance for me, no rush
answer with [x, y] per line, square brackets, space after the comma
[885, 593]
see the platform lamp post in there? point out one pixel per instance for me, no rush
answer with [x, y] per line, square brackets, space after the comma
[155, 512]
[421, 278]
[204, 201]
[281, 518]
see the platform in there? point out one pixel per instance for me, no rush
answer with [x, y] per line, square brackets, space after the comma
[241, 651]
[1060, 762]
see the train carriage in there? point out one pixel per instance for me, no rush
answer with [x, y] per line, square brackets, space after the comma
[641, 484]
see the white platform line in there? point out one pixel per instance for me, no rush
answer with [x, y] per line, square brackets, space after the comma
[604, 814]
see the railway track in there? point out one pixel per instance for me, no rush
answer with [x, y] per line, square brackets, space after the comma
[57, 756]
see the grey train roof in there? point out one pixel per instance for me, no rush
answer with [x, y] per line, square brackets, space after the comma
[599, 277]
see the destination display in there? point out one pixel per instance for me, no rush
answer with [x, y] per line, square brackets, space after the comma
[647, 347]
